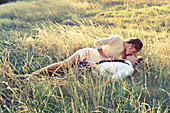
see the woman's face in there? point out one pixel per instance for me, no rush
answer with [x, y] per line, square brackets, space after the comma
[131, 50]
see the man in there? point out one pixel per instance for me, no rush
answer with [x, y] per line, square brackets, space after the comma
[117, 48]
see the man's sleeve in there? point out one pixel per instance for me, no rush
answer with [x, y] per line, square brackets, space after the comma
[107, 41]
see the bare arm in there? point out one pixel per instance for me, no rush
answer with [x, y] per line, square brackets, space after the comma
[101, 53]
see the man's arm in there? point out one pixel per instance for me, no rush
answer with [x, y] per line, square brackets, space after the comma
[106, 41]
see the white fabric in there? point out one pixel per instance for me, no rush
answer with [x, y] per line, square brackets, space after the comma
[117, 69]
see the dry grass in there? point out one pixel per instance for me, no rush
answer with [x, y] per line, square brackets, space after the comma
[46, 42]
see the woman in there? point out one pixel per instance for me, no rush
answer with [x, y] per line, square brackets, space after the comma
[110, 48]
[117, 69]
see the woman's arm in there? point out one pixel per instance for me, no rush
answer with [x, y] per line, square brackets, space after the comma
[133, 59]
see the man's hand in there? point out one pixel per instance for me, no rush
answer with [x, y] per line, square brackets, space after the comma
[101, 53]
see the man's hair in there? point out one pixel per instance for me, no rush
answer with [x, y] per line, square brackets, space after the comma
[138, 43]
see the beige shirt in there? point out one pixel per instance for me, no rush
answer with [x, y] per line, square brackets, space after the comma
[111, 46]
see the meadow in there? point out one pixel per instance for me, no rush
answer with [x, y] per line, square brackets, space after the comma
[36, 33]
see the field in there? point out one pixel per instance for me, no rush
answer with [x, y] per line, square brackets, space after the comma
[36, 33]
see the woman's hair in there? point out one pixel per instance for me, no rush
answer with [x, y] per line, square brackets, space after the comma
[138, 43]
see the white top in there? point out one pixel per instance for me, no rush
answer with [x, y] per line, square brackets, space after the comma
[117, 69]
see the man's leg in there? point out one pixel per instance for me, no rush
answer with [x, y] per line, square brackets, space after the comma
[75, 58]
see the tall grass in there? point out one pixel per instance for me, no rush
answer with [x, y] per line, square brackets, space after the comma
[31, 40]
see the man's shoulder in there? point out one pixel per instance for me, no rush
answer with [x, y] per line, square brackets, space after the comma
[116, 37]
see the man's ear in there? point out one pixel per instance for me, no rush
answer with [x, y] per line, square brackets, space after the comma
[130, 46]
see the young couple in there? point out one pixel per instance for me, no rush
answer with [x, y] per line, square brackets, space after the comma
[112, 49]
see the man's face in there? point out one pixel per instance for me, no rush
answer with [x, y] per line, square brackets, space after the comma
[131, 50]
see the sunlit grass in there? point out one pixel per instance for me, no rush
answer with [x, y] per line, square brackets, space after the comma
[35, 40]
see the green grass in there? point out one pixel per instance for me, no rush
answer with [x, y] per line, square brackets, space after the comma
[36, 33]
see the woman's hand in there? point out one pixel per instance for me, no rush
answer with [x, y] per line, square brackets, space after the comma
[133, 59]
